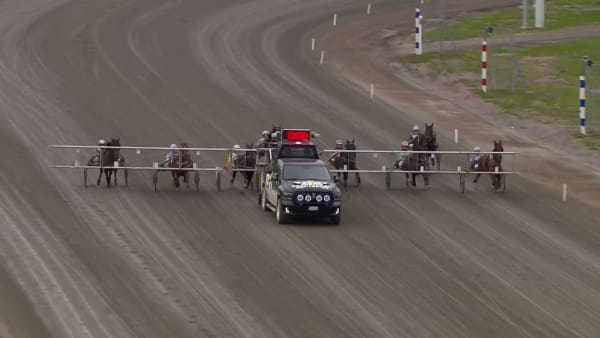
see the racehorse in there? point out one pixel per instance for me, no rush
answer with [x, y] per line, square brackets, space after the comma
[245, 160]
[490, 163]
[106, 157]
[420, 160]
[182, 160]
[431, 144]
[347, 159]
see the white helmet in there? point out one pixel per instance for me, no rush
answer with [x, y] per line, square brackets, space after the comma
[339, 142]
[265, 133]
[173, 146]
[416, 128]
[236, 146]
[477, 149]
[101, 142]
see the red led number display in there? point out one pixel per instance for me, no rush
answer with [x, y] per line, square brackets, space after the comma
[297, 135]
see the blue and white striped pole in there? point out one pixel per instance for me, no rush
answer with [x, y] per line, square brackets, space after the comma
[582, 104]
[418, 33]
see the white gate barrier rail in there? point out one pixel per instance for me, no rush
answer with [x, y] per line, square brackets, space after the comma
[148, 159]
[382, 161]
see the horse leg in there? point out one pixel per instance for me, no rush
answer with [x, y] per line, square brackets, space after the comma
[175, 179]
[345, 178]
[426, 179]
[413, 181]
[476, 178]
[99, 177]
[354, 167]
[108, 174]
[493, 178]
[249, 179]
[233, 176]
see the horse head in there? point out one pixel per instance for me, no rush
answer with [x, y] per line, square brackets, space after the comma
[349, 145]
[112, 154]
[430, 138]
[498, 148]
[250, 155]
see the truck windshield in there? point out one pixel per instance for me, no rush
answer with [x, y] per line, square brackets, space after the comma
[305, 172]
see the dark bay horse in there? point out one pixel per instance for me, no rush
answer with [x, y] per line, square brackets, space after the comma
[490, 163]
[245, 160]
[414, 162]
[431, 144]
[181, 160]
[106, 157]
[347, 159]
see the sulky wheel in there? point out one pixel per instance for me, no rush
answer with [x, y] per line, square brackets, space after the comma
[218, 181]
[85, 177]
[155, 179]
[257, 174]
[388, 181]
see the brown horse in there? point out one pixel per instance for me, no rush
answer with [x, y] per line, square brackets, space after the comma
[420, 160]
[245, 160]
[347, 159]
[431, 144]
[106, 157]
[181, 160]
[490, 163]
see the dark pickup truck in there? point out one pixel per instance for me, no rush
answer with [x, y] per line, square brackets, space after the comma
[300, 186]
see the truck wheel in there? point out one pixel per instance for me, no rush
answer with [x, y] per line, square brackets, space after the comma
[280, 214]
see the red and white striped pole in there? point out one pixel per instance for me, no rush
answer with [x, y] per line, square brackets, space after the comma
[484, 66]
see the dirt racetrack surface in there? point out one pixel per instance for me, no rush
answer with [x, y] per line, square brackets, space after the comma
[128, 262]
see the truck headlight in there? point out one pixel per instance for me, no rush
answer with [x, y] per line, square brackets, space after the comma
[326, 198]
[300, 198]
[307, 198]
[319, 198]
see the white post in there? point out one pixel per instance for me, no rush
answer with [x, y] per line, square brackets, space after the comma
[312, 44]
[484, 66]
[371, 91]
[455, 135]
[525, 15]
[582, 111]
[369, 8]
[334, 20]
[322, 56]
[418, 32]
[539, 13]
[565, 192]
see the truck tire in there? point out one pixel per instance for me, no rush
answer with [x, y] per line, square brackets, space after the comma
[280, 215]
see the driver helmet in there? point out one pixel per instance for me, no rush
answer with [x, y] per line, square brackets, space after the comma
[477, 149]
[415, 128]
[173, 146]
[101, 142]
[338, 143]
[265, 133]
[236, 146]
